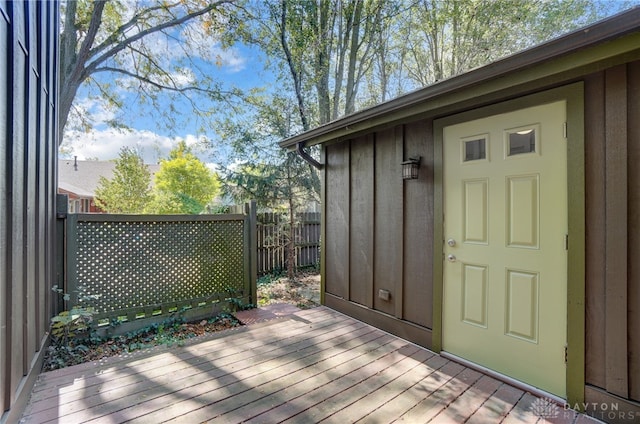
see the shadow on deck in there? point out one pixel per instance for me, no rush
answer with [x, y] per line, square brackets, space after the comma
[287, 365]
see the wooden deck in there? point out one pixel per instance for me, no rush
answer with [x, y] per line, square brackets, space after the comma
[299, 367]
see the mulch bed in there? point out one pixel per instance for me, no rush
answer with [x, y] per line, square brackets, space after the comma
[278, 297]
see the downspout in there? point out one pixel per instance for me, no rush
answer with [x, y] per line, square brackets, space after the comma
[306, 156]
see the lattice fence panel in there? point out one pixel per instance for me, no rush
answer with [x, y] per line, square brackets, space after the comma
[137, 264]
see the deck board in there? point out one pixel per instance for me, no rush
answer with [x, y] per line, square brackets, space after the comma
[381, 391]
[468, 402]
[349, 388]
[496, 408]
[300, 366]
[306, 380]
[410, 392]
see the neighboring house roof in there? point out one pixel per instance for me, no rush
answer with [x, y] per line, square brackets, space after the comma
[83, 176]
[584, 47]
[78, 191]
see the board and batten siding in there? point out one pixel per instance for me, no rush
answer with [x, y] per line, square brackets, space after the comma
[373, 217]
[336, 240]
[28, 152]
[612, 206]
[379, 231]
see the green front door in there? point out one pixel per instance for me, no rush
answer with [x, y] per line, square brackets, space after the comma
[505, 253]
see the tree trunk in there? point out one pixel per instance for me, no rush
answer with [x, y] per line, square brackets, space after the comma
[322, 61]
[352, 84]
[72, 59]
[291, 242]
[296, 75]
[291, 245]
[342, 35]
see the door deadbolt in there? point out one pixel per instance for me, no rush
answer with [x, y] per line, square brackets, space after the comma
[451, 242]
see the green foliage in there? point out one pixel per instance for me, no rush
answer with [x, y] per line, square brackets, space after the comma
[71, 325]
[236, 304]
[445, 38]
[172, 331]
[217, 209]
[262, 171]
[129, 190]
[184, 184]
[332, 57]
[71, 333]
[74, 325]
[276, 179]
[74, 340]
[162, 333]
[272, 185]
[233, 302]
[222, 316]
[271, 277]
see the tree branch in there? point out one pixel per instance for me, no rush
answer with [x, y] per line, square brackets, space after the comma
[153, 83]
[94, 26]
[124, 43]
[113, 38]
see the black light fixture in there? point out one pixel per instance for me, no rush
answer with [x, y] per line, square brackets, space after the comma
[410, 168]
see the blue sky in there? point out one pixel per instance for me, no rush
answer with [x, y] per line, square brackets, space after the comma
[240, 66]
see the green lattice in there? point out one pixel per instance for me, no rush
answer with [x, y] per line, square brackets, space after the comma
[138, 264]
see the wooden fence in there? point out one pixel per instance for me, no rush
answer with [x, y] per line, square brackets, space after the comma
[136, 268]
[273, 234]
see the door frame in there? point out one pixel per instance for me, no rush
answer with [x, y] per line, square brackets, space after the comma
[574, 96]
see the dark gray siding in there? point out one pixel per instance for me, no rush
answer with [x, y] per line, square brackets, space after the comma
[612, 151]
[376, 221]
[28, 54]
[379, 230]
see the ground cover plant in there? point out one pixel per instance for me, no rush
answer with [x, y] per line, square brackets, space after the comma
[303, 290]
[73, 341]
[79, 344]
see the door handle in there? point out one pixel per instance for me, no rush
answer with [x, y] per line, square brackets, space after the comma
[451, 242]
[451, 258]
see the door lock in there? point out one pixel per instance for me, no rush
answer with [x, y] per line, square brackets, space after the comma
[451, 242]
[451, 258]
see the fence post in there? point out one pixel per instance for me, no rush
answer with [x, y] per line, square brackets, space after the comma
[62, 209]
[71, 259]
[251, 258]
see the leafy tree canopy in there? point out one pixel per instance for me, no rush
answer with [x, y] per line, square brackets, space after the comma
[334, 57]
[184, 184]
[330, 58]
[129, 190]
[260, 169]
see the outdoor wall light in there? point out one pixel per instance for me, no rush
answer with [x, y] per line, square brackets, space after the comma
[410, 168]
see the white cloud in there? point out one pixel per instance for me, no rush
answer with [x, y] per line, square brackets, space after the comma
[97, 109]
[210, 49]
[232, 59]
[162, 47]
[106, 144]
[188, 40]
[183, 77]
